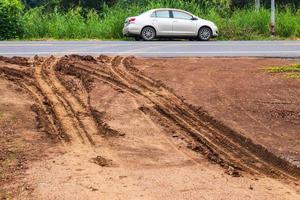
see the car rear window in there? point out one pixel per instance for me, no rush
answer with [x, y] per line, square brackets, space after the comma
[161, 14]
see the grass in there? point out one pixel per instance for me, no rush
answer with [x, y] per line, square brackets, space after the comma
[292, 71]
[291, 68]
[77, 23]
[295, 75]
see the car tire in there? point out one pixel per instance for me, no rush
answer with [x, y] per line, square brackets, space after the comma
[148, 33]
[204, 33]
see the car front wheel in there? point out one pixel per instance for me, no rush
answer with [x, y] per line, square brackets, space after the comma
[205, 33]
[148, 33]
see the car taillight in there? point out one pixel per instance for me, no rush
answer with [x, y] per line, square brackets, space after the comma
[131, 20]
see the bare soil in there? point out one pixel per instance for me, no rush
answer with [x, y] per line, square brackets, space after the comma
[125, 128]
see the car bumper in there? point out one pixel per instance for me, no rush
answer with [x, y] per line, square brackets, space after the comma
[215, 31]
[131, 30]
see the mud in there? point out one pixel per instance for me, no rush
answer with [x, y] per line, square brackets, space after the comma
[62, 89]
[103, 162]
[22, 61]
[73, 118]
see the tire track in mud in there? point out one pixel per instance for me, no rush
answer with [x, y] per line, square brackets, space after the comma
[59, 111]
[170, 106]
[44, 112]
[256, 157]
[85, 122]
[215, 140]
[77, 121]
[253, 153]
[60, 107]
[164, 105]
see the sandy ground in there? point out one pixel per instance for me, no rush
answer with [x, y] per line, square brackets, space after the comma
[115, 128]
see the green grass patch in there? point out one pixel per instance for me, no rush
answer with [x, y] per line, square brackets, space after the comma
[295, 76]
[292, 68]
[292, 71]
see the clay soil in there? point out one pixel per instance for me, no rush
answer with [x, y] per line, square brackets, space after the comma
[82, 127]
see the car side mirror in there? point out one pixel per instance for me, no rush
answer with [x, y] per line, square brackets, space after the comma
[194, 18]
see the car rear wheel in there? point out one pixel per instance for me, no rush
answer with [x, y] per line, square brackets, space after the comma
[148, 33]
[205, 33]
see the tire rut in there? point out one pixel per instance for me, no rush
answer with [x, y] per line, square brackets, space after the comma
[253, 156]
[85, 122]
[43, 109]
[59, 106]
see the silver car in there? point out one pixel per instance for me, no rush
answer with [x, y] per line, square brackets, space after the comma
[171, 23]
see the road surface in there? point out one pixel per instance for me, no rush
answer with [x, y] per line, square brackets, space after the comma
[155, 49]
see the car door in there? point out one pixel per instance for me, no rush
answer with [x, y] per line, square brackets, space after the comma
[183, 24]
[162, 22]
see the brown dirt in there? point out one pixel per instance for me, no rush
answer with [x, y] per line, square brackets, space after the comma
[239, 92]
[157, 126]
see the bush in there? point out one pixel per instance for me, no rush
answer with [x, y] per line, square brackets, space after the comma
[10, 12]
[288, 23]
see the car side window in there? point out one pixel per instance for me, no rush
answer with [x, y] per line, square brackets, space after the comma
[181, 15]
[162, 14]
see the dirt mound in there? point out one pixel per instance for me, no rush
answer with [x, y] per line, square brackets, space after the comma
[22, 61]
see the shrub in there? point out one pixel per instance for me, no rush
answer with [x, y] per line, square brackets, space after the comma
[10, 12]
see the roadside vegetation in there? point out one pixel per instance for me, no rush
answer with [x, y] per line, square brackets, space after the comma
[104, 19]
[292, 71]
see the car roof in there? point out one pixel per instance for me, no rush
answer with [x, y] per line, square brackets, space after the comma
[168, 9]
[175, 9]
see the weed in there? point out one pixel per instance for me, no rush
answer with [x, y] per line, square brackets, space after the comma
[292, 68]
[295, 76]
[292, 71]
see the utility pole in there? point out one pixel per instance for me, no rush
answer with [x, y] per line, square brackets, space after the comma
[272, 17]
[257, 4]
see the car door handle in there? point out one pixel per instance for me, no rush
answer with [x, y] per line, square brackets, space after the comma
[175, 21]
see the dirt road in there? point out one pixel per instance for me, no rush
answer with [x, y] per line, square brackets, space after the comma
[126, 128]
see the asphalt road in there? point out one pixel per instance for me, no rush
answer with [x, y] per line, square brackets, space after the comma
[153, 49]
